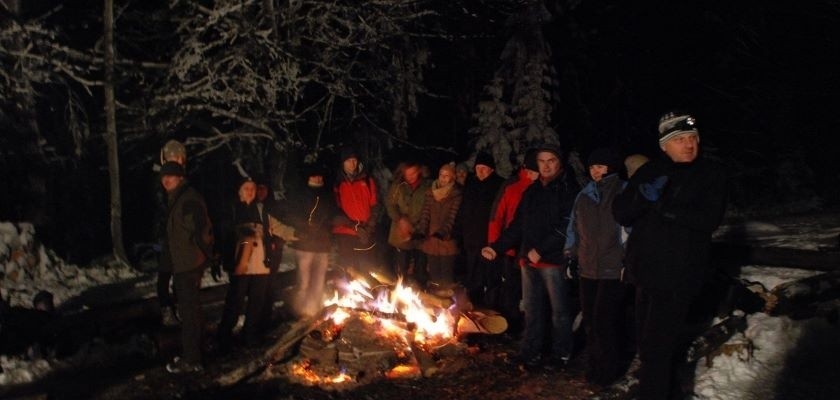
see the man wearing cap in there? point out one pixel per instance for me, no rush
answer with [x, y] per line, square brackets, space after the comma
[189, 235]
[359, 209]
[673, 205]
[504, 209]
[538, 228]
[479, 193]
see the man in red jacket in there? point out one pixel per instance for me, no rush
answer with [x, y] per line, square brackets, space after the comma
[503, 212]
[355, 226]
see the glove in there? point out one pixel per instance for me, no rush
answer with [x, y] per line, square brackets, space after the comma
[439, 234]
[652, 190]
[418, 236]
[216, 268]
[572, 270]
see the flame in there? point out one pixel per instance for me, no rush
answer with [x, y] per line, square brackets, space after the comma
[402, 302]
[403, 371]
[304, 371]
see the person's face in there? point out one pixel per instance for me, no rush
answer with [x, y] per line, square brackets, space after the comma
[247, 192]
[316, 181]
[461, 176]
[482, 171]
[412, 174]
[532, 175]
[549, 165]
[262, 192]
[446, 177]
[170, 182]
[682, 148]
[597, 171]
[349, 165]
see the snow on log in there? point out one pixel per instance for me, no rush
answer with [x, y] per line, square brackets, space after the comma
[706, 344]
[801, 298]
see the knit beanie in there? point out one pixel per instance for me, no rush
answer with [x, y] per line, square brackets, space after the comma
[603, 156]
[530, 162]
[348, 152]
[485, 159]
[676, 123]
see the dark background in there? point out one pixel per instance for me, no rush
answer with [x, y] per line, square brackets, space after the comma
[761, 78]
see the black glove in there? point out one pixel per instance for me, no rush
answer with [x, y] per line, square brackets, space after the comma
[216, 267]
[440, 235]
[418, 236]
[572, 271]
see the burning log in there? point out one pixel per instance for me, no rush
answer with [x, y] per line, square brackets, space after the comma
[296, 333]
[481, 321]
[801, 298]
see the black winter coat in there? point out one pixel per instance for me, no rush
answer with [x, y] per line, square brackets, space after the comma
[668, 247]
[541, 220]
[474, 217]
[310, 211]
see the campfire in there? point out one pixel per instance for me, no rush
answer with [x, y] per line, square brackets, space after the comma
[375, 329]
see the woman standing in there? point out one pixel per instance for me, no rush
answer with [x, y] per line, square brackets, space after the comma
[440, 208]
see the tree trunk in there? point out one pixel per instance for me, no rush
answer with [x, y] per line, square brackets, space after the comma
[111, 136]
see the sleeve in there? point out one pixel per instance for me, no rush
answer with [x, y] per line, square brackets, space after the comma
[571, 229]
[497, 217]
[375, 207]
[704, 211]
[425, 214]
[280, 229]
[512, 235]
[629, 205]
[452, 214]
[197, 224]
[391, 202]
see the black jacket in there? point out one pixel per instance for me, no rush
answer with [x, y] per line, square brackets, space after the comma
[541, 220]
[668, 247]
[474, 217]
[310, 211]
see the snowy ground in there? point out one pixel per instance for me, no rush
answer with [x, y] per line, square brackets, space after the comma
[790, 359]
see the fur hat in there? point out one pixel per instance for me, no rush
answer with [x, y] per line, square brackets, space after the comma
[171, 168]
[485, 159]
[676, 123]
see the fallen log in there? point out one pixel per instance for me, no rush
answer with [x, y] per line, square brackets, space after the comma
[714, 337]
[797, 297]
[741, 254]
[278, 351]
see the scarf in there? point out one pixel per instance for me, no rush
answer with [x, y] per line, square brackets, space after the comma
[439, 191]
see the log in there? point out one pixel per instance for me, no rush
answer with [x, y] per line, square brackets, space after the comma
[481, 321]
[295, 334]
[714, 337]
[741, 254]
[796, 297]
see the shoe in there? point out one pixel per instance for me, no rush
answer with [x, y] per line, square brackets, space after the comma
[179, 366]
[169, 317]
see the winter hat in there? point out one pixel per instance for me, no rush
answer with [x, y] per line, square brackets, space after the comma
[243, 180]
[602, 156]
[171, 168]
[530, 161]
[485, 159]
[634, 162]
[348, 152]
[549, 147]
[676, 123]
[315, 169]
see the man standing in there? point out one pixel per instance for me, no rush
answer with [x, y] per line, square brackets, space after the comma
[479, 194]
[355, 224]
[189, 236]
[673, 205]
[405, 206]
[539, 228]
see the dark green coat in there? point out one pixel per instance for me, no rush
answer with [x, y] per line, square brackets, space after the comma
[188, 229]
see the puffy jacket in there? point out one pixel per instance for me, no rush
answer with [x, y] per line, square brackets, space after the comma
[594, 236]
[356, 197]
[505, 206]
[669, 245]
[188, 228]
[541, 221]
[439, 216]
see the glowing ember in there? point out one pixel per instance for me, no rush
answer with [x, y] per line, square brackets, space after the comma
[304, 371]
[403, 371]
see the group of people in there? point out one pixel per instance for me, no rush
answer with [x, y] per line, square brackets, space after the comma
[513, 245]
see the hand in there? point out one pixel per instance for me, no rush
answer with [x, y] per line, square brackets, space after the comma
[533, 256]
[439, 234]
[652, 190]
[216, 268]
[488, 253]
[418, 236]
[572, 271]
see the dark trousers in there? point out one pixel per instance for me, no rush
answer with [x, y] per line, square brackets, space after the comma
[602, 303]
[188, 285]
[254, 287]
[478, 274]
[165, 298]
[661, 317]
[405, 258]
[510, 292]
[352, 253]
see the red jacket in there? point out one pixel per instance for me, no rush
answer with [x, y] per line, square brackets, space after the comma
[356, 197]
[505, 207]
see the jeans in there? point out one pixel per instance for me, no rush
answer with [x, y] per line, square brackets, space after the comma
[546, 293]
